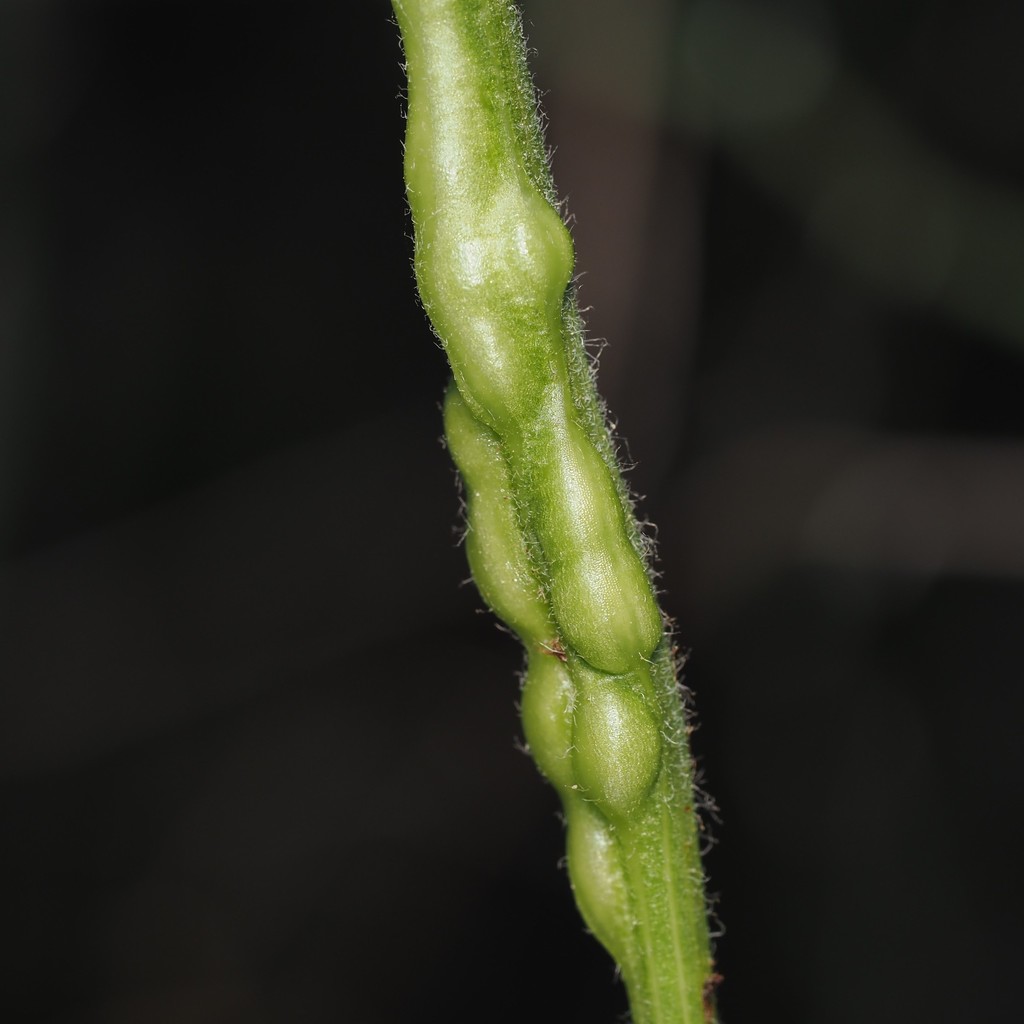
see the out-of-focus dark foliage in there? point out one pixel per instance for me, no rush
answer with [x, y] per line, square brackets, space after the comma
[257, 746]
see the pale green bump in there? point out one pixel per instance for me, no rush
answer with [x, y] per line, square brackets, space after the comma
[493, 257]
[598, 879]
[494, 542]
[492, 276]
[546, 707]
[498, 252]
[616, 742]
[601, 595]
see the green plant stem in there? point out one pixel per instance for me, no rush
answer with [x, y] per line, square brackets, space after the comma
[552, 538]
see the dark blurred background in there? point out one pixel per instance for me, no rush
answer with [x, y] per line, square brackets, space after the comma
[257, 740]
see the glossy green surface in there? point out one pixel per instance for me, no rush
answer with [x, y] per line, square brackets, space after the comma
[551, 536]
